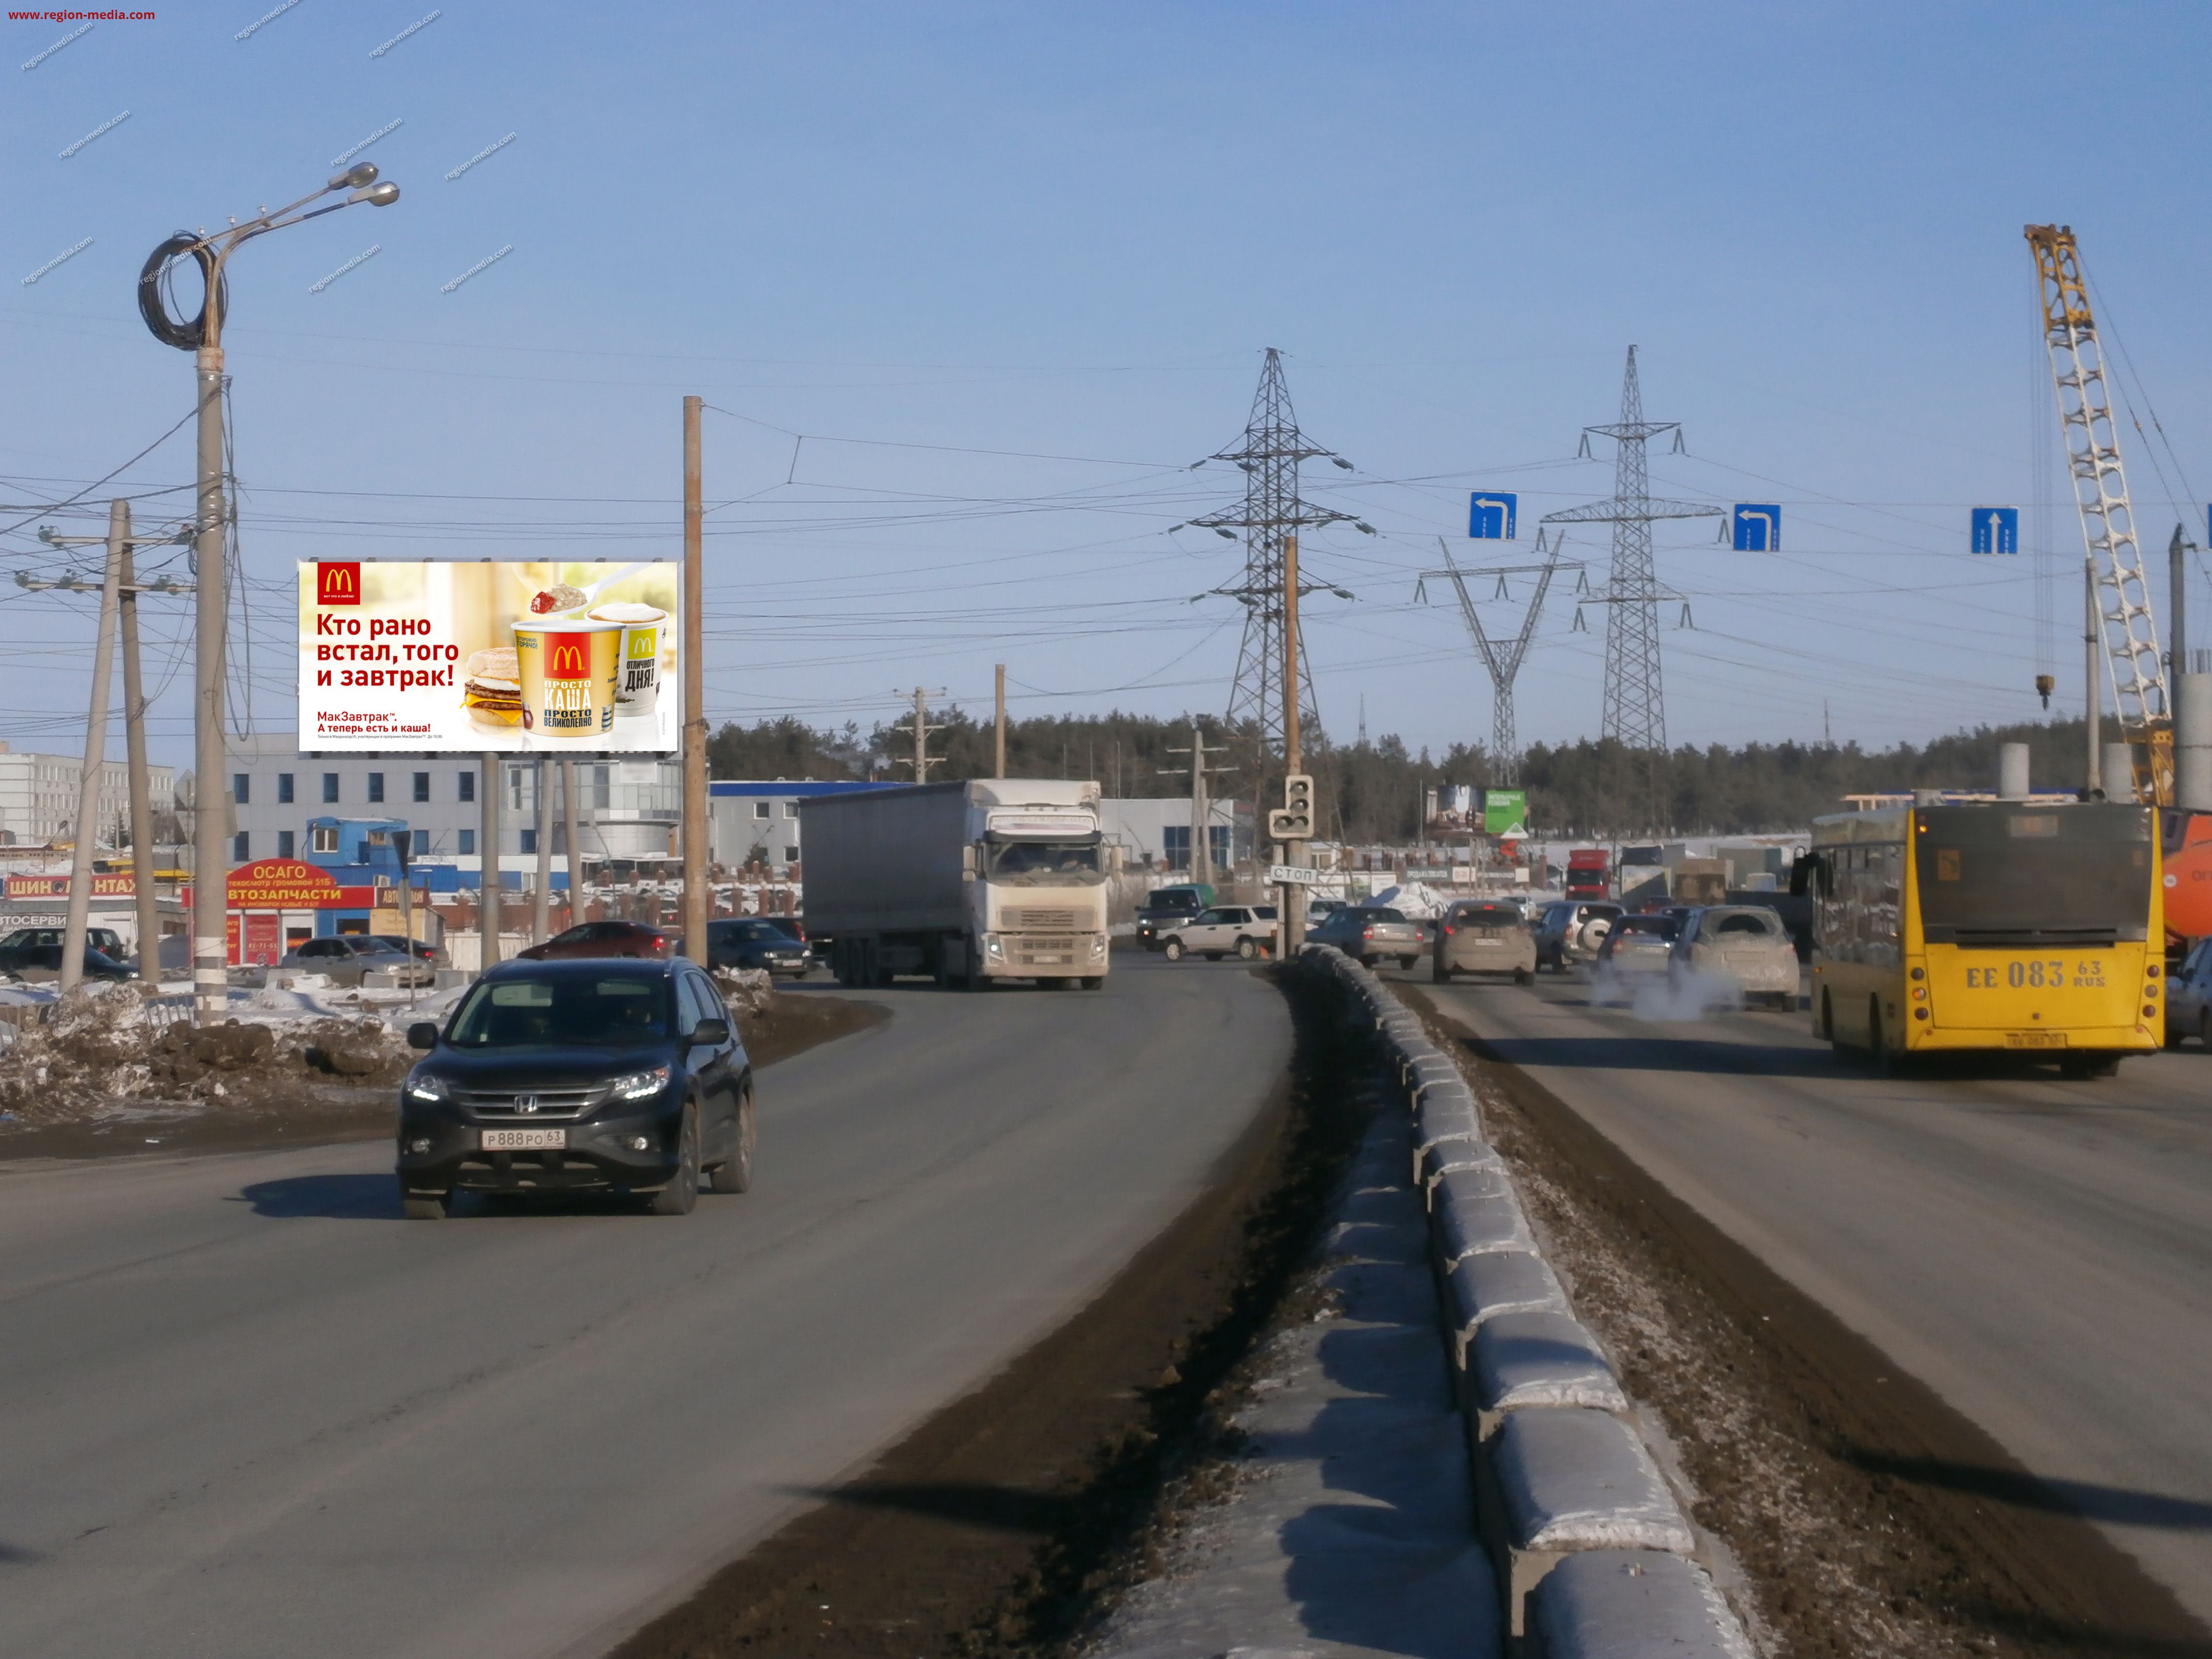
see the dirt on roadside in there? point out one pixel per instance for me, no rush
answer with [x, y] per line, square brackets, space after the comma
[91, 1082]
[1867, 1516]
[1004, 1522]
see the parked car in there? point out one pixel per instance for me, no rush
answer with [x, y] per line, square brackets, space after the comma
[105, 941]
[41, 962]
[1247, 929]
[1368, 932]
[1572, 930]
[1165, 909]
[2189, 998]
[754, 942]
[1743, 944]
[579, 1076]
[599, 939]
[1636, 947]
[1484, 936]
[348, 958]
[414, 947]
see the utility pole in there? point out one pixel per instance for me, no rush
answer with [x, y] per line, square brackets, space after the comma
[541, 895]
[143, 859]
[1001, 771]
[2093, 695]
[487, 904]
[696, 895]
[85, 836]
[1201, 807]
[569, 817]
[2177, 563]
[922, 759]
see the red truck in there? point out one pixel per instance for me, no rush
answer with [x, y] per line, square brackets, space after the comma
[1586, 873]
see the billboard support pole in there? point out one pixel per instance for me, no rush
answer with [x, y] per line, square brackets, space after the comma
[541, 897]
[487, 904]
[86, 831]
[575, 857]
[695, 906]
[142, 860]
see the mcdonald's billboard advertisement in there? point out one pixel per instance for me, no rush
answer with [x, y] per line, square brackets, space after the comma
[516, 658]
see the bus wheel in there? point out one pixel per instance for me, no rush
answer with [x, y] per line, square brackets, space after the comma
[1828, 1024]
[1885, 1064]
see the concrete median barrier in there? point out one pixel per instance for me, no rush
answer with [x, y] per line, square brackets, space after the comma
[1632, 1604]
[1476, 1210]
[1493, 1282]
[1564, 1481]
[1540, 1358]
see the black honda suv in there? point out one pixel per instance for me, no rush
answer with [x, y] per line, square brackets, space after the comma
[621, 1075]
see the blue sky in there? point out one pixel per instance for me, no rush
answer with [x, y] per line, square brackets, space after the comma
[918, 234]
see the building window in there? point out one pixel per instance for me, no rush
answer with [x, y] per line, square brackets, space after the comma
[283, 788]
[791, 809]
[529, 841]
[761, 808]
[241, 787]
[285, 845]
[376, 786]
[791, 855]
[422, 785]
[421, 845]
[330, 788]
[240, 845]
[323, 838]
[468, 786]
[468, 848]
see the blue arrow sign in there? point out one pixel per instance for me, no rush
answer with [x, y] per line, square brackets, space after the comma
[1758, 527]
[1996, 529]
[1489, 516]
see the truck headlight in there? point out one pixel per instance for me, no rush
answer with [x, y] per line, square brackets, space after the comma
[1097, 947]
[994, 946]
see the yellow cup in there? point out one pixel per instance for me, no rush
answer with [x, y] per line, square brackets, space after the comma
[638, 691]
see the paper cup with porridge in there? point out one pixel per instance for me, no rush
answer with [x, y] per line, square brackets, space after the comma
[637, 692]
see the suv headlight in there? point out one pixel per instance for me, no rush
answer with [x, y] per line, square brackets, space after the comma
[426, 1087]
[640, 1085]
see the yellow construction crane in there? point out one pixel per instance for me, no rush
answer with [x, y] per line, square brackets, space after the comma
[2122, 595]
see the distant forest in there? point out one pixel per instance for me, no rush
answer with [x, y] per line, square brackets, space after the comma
[1372, 792]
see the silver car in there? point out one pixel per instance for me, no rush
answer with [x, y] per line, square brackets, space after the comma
[1740, 946]
[1369, 932]
[348, 958]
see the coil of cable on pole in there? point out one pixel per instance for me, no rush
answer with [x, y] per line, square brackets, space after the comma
[186, 334]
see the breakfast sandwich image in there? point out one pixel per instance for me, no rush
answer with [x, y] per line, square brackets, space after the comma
[491, 689]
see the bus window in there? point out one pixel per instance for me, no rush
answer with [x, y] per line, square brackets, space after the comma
[1991, 875]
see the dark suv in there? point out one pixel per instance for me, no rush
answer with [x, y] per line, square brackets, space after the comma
[1166, 907]
[609, 1076]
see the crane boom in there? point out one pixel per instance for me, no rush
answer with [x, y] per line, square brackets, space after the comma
[2108, 525]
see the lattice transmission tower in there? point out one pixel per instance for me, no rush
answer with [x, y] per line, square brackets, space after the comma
[1635, 708]
[1272, 511]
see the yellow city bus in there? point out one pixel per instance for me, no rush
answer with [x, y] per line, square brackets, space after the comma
[2006, 925]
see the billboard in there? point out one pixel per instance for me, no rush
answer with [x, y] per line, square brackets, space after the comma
[511, 657]
[1505, 811]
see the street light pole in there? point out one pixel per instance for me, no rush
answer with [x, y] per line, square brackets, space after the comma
[203, 336]
[85, 836]
[697, 906]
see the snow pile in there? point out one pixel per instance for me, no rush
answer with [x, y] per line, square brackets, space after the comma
[749, 991]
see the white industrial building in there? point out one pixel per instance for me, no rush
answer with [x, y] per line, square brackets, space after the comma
[39, 798]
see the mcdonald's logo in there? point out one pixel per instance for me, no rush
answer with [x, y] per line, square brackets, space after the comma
[338, 584]
[570, 661]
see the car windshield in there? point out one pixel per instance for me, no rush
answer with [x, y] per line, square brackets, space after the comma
[1044, 863]
[521, 1013]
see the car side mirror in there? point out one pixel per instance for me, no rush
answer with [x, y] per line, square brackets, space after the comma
[709, 1033]
[968, 862]
[422, 1034]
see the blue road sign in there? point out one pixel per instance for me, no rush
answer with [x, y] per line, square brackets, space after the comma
[1758, 527]
[1490, 515]
[1996, 529]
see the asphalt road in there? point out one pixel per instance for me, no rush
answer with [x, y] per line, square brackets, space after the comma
[249, 1411]
[2037, 1251]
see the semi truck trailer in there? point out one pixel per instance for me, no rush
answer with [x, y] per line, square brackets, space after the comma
[972, 883]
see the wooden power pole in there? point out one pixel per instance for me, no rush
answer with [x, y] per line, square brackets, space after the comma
[696, 895]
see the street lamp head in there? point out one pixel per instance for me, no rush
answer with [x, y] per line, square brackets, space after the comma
[1341, 462]
[356, 177]
[1362, 524]
[383, 195]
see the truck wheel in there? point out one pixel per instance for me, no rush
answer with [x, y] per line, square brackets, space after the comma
[1172, 950]
[1246, 950]
[1094, 981]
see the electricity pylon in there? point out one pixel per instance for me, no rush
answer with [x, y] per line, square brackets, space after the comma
[1504, 661]
[1635, 708]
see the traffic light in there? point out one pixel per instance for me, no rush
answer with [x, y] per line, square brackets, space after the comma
[1295, 822]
